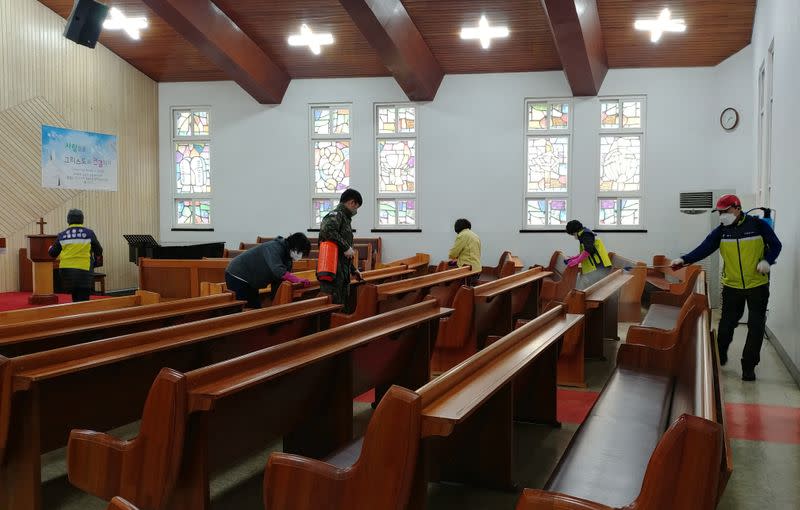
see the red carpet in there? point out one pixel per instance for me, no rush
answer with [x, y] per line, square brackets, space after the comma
[573, 405]
[757, 422]
[17, 300]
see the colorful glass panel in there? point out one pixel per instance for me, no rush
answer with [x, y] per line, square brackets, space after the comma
[331, 166]
[396, 166]
[193, 167]
[548, 163]
[620, 167]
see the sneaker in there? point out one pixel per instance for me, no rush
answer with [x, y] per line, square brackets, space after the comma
[748, 374]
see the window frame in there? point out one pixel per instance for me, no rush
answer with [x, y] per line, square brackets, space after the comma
[379, 196]
[620, 131]
[527, 134]
[312, 139]
[175, 195]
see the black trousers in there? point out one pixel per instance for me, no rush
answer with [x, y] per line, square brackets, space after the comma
[243, 291]
[77, 282]
[733, 301]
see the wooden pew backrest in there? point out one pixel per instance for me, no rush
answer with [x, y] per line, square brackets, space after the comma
[120, 504]
[390, 445]
[141, 297]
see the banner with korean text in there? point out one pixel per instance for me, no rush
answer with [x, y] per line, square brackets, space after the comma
[78, 159]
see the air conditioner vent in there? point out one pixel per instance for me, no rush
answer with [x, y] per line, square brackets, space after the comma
[697, 200]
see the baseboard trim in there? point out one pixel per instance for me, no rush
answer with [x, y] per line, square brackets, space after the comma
[784, 356]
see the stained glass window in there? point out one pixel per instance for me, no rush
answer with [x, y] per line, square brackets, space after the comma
[542, 212]
[396, 147]
[559, 116]
[393, 212]
[331, 166]
[620, 163]
[608, 212]
[537, 116]
[191, 123]
[322, 206]
[620, 211]
[329, 121]
[193, 212]
[396, 172]
[631, 114]
[548, 159]
[330, 146]
[191, 136]
[193, 167]
[609, 114]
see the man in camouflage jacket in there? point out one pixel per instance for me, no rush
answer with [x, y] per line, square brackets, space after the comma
[336, 226]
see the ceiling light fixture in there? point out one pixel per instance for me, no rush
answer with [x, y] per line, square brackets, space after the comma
[310, 39]
[118, 21]
[662, 24]
[484, 32]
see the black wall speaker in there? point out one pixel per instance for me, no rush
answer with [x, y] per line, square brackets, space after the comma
[85, 22]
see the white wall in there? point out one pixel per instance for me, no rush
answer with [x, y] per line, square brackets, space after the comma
[471, 157]
[779, 20]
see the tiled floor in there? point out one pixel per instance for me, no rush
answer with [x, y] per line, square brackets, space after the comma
[763, 422]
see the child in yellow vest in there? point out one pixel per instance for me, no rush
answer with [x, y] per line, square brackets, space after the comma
[592, 257]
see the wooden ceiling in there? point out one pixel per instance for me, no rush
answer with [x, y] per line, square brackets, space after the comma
[716, 30]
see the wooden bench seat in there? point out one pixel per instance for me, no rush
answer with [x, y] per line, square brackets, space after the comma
[26, 338]
[46, 394]
[120, 504]
[302, 390]
[374, 299]
[654, 439]
[677, 293]
[489, 309]
[63, 310]
[661, 317]
[512, 379]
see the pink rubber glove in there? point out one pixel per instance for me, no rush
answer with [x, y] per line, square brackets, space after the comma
[574, 261]
[289, 277]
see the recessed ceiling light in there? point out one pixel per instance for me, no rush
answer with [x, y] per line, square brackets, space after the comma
[662, 24]
[118, 21]
[310, 39]
[484, 32]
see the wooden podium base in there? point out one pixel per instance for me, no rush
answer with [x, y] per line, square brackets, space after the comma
[43, 299]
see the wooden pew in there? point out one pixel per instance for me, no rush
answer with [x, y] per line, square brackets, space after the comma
[630, 297]
[390, 445]
[26, 338]
[120, 504]
[141, 297]
[486, 310]
[103, 384]
[682, 461]
[302, 390]
[503, 268]
[561, 281]
[230, 254]
[418, 263]
[374, 299]
[246, 246]
[179, 278]
[602, 304]
[369, 249]
[661, 276]
[694, 281]
[513, 379]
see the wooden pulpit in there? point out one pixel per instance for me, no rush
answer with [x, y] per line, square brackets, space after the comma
[2, 245]
[38, 251]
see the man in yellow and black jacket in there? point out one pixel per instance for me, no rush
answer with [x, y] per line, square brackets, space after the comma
[78, 251]
[749, 247]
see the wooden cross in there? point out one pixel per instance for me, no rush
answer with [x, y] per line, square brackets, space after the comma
[41, 224]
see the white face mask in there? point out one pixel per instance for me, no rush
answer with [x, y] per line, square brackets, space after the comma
[727, 219]
[296, 255]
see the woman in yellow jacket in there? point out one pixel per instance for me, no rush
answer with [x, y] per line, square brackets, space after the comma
[466, 250]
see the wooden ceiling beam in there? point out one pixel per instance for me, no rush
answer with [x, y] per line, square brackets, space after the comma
[205, 26]
[389, 30]
[575, 25]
